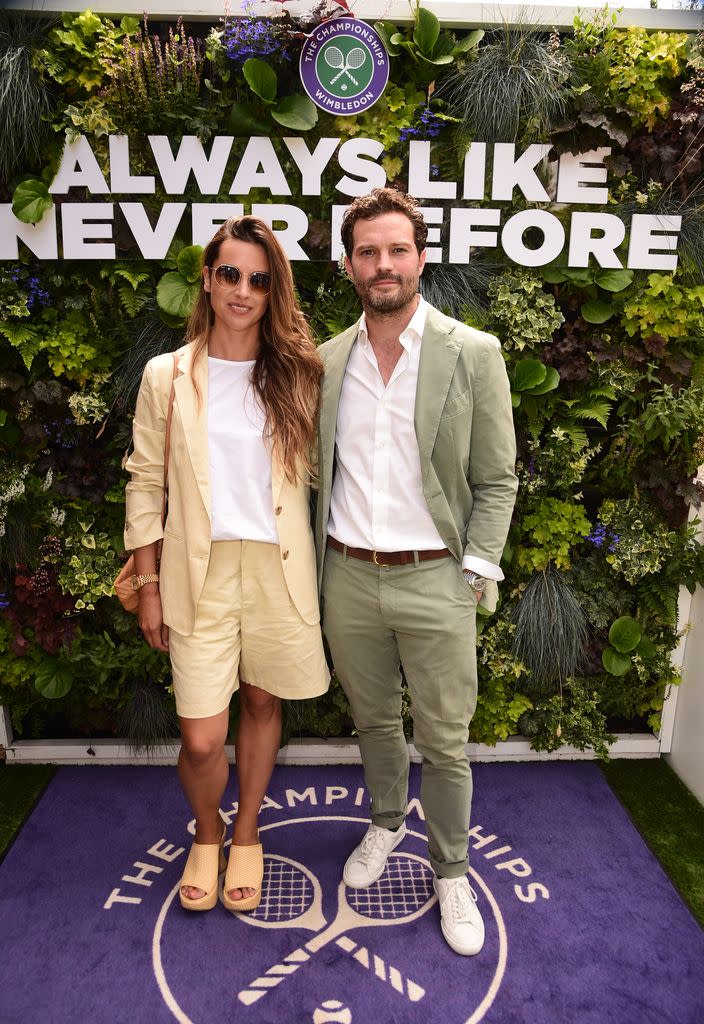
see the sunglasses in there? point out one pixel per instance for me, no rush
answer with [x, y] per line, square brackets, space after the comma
[228, 276]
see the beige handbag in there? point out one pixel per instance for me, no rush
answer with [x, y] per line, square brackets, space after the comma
[127, 593]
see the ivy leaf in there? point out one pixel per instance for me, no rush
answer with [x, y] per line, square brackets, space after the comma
[261, 79]
[625, 634]
[616, 664]
[53, 678]
[529, 373]
[244, 122]
[426, 32]
[297, 112]
[175, 295]
[596, 311]
[613, 280]
[189, 262]
[31, 200]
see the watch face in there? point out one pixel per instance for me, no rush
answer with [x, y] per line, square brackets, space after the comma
[135, 582]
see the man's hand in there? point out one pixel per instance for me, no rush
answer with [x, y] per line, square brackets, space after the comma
[475, 581]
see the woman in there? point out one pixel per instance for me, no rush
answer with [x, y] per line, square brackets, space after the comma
[234, 599]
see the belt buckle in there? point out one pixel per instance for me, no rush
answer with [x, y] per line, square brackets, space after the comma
[376, 561]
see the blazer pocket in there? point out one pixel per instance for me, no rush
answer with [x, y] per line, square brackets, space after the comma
[456, 406]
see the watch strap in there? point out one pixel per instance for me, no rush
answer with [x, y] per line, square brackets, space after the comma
[139, 581]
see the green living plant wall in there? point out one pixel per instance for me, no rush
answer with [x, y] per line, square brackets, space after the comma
[606, 365]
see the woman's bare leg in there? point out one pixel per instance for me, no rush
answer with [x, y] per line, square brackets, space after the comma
[256, 746]
[204, 771]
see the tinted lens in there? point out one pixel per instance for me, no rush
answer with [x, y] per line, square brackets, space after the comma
[259, 281]
[226, 275]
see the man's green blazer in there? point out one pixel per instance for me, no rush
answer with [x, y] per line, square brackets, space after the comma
[464, 425]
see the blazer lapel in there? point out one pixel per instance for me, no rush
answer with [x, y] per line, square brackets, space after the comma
[194, 417]
[438, 357]
[335, 365]
[277, 479]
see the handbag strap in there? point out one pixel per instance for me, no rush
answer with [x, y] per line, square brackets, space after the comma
[167, 440]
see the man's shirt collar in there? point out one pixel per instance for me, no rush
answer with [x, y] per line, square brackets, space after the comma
[413, 331]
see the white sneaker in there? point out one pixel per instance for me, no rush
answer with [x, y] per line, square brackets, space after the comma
[460, 919]
[367, 861]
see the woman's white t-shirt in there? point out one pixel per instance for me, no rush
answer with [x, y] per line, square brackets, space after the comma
[240, 457]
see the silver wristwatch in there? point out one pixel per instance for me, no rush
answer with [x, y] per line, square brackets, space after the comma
[475, 581]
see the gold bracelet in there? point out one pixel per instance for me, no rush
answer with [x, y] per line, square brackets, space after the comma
[139, 581]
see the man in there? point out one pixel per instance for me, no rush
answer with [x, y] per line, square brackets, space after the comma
[417, 486]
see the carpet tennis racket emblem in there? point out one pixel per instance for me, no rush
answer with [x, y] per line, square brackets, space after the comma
[354, 59]
[293, 898]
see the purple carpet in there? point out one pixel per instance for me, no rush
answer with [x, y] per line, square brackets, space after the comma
[583, 927]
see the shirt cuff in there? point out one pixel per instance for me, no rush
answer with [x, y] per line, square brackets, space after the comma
[486, 569]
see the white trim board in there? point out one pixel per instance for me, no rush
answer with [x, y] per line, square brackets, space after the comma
[452, 13]
[309, 751]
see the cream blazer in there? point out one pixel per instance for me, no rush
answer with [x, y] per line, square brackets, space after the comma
[186, 536]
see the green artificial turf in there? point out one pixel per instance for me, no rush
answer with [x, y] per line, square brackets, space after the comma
[21, 785]
[670, 819]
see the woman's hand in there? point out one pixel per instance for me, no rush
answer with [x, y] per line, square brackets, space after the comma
[151, 619]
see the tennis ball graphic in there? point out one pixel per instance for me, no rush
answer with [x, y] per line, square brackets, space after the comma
[332, 1011]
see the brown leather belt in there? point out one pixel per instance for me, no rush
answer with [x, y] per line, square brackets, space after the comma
[387, 557]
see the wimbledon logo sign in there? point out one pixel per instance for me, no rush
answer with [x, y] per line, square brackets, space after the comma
[344, 66]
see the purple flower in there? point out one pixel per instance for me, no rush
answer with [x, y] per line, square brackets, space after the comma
[597, 536]
[601, 536]
[251, 37]
[37, 297]
[430, 126]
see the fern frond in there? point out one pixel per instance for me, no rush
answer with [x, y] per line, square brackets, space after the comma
[591, 410]
[25, 339]
[697, 372]
[132, 301]
[658, 598]
[134, 277]
[577, 435]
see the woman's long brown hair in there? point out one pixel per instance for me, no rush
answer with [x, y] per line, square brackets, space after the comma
[288, 370]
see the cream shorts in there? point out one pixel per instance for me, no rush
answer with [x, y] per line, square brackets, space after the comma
[247, 628]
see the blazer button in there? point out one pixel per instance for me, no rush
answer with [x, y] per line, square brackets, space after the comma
[277, 510]
[284, 555]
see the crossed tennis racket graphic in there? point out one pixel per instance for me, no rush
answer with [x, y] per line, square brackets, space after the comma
[293, 898]
[334, 58]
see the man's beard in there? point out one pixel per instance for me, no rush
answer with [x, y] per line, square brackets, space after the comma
[387, 303]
